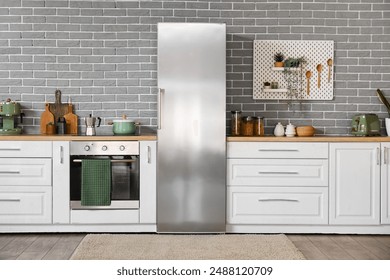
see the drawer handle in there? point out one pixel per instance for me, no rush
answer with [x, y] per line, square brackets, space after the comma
[10, 149]
[9, 172]
[149, 155]
[113, 160]
[278, 199]
[278, 150]
[10, 199]
[278, 172]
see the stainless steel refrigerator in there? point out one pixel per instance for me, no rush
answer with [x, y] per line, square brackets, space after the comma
[191, 176]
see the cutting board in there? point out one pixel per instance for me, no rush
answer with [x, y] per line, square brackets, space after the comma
[46, 117]
[71, 121]
[58, 109]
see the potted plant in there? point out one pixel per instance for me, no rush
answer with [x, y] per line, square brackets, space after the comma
[267, 85]
[294, 62]
[279, 58]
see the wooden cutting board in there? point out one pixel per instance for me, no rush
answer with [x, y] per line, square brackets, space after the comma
[71, 121]
[46, 117]
[58, 109]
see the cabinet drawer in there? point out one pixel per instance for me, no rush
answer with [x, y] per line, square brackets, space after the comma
[25, 172]
[130, 216]
[15, 149]
[276, 150]
[280, 205]
[277, 172]
[25, 205]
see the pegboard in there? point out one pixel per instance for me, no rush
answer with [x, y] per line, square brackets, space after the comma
[314, 52]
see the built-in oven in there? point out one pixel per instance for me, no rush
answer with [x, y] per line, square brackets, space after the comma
[125, 183]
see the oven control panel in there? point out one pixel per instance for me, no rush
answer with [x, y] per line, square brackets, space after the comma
[104, 148]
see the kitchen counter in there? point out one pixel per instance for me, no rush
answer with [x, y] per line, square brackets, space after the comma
[308, 139]
[39, 137]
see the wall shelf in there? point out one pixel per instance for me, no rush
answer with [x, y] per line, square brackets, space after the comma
[293, 83]
[275, 90]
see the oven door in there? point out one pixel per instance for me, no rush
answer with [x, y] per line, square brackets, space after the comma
[124, 184]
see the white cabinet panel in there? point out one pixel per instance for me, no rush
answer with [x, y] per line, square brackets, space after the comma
[277, 172]
[61, 182]
[25, 171]
[148, 169]
[355, 183]
[104, 216]
[385, 184]
[276, 150]
[15, 149]
[277, 205]
[25, 205]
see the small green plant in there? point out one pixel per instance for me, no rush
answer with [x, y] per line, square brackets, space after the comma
[279, 57]
[294, 62]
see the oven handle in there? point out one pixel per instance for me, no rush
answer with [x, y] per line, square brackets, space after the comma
[113, 160]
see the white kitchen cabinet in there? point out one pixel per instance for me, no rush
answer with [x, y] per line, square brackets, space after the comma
[148, 170]
[25, 149]
[25, 205]
[277, 205]
[61, 182]
[385, 184]
[277, 183]
[354, 187]
[25, 182]
[278, 172]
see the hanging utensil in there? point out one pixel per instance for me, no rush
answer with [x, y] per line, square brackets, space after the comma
[308, 76]
[319, 69]
[383, 99]
[330, 64]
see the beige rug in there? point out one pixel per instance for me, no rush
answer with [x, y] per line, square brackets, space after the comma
[186, 247]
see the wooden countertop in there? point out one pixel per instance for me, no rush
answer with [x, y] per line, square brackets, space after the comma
[152, 137]
[309, 139]
[38, 137]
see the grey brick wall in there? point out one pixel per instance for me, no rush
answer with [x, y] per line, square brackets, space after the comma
[102, 54]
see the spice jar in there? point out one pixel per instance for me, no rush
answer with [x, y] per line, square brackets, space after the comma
[247, 126]
[258, 126]
[236, 123]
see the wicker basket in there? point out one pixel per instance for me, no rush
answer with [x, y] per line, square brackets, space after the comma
[305, 131]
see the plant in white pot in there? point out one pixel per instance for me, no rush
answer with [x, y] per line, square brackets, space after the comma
[383, 99]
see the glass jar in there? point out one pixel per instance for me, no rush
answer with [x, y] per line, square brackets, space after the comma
[258, 126]
[247, 126]
[236, 123]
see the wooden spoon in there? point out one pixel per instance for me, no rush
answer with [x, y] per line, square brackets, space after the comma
[319, 69]
[330, 63]
[308, 76]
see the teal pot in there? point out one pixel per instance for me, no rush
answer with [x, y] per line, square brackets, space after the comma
[124, 127]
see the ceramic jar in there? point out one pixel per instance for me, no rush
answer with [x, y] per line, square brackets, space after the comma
[290, 130]
[279, 130]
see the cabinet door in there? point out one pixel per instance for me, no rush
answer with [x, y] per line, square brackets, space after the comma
[354, 183]
[61, 185]
[385, 184]
[148, 171]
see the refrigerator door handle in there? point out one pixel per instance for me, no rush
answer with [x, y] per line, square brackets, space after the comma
[160, 94]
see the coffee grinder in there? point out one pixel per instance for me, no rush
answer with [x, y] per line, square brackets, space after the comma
[8, 111]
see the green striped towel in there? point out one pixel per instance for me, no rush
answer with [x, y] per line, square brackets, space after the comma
[96, 182]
